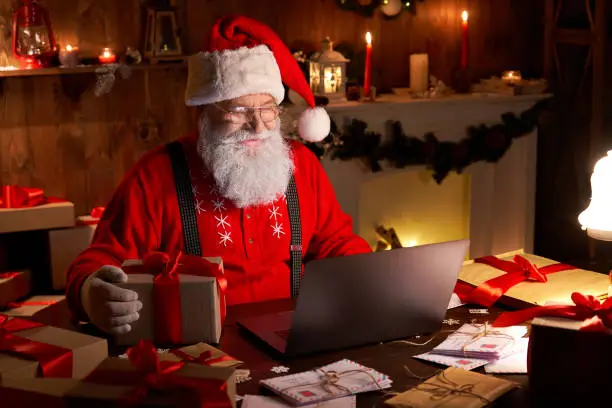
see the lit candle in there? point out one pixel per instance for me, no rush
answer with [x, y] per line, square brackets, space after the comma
[68, 57]
[367, 81]
[328, 82]
[107, 56]
[511, 77]
[464, 39]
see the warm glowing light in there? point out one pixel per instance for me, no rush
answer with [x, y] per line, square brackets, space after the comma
[107, 56]
[69, 48]
[369, 38]
[410, 243]
[511, 77]
[464, 16]
[597, 218]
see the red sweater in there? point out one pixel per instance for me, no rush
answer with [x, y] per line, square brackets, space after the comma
[143, 216]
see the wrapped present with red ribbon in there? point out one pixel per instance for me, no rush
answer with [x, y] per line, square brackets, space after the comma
[202, 353]
[141, 380]
[14, 285]
[570, 349]
[29, 349]
[48, 309]
[67, 243]
[28, 209]
[183, 299]
[524, 280]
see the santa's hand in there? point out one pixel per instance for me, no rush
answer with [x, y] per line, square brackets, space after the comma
[108, 306]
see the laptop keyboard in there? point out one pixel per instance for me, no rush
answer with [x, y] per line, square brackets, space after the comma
[284, 334]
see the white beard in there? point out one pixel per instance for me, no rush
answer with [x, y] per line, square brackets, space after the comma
[247, 176]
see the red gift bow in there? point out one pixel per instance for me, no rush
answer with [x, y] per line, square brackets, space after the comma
[596, 316]
[205, 358]
[152, 374]
[167, 290]
[518, 270]
[19, 197]
[54, 361]
[95, 214]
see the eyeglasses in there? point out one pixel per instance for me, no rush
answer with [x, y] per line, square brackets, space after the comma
[244, 114]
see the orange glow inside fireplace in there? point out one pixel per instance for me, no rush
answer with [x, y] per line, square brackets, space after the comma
[420, 211]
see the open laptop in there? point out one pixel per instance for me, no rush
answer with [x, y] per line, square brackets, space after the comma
[367, 298]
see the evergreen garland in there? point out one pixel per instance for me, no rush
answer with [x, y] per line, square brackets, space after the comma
[482, 143]
[367, 10]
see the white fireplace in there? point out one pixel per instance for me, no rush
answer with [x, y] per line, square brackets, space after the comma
[491, 204]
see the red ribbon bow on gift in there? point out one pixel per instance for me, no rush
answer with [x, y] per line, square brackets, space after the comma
[95, 214]
[596, 316]
[167, 289]
[204, 358]
[518, 270]
[152, 374]
[54, 361]
[19, 197]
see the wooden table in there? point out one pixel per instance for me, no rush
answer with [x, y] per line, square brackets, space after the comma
[389, 358]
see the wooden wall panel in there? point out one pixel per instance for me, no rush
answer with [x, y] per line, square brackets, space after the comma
[80, 149]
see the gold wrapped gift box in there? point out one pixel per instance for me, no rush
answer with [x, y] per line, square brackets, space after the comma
[558, 288]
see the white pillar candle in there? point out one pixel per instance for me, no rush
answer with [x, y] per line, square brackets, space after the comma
[419, 73]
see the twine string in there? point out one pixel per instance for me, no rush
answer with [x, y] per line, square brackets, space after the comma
[331, 379]
[442, 387]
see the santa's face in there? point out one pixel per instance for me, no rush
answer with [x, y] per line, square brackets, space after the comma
[242, 145]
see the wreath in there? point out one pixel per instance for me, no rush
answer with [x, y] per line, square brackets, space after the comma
[482, 143]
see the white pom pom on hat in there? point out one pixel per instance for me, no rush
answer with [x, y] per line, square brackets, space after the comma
[244, 57]
[314, 124]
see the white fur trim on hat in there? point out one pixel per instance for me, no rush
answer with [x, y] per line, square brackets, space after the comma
[222, 75]
[314, 124]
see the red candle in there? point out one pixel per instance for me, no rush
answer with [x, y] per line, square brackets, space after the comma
[107, 57]
[367, 81]
[464, 39]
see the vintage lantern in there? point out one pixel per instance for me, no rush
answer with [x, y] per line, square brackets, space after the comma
[328, 72]
[162, 40]
[33, 41]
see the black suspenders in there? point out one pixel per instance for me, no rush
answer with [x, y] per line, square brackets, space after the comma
[295, 254]
[187, 210]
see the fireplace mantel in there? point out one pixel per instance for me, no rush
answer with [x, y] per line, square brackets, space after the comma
[501, 195]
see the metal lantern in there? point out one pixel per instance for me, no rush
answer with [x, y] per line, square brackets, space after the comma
[33, 41]
[328, 72]
[162, 40]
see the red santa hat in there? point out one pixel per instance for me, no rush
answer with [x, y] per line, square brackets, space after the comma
[246, 57]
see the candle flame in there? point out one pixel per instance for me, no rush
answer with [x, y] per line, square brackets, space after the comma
[69, 48]
[369, 38]
[464, 16]
[107, 53]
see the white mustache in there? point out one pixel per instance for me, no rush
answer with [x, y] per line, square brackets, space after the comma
[242, 136]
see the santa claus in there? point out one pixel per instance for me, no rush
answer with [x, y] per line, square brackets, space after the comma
[235, 189]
